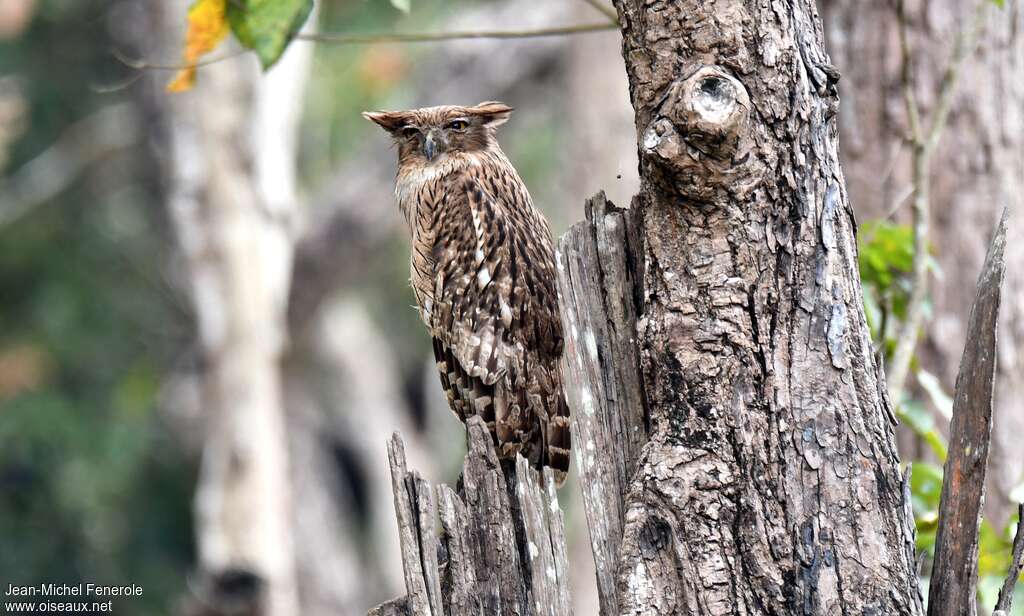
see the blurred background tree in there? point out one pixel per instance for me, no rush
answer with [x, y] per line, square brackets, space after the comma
[975, 173]
[94, 485]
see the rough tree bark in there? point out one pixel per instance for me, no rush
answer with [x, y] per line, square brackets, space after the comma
[770, 482]
[975, 173]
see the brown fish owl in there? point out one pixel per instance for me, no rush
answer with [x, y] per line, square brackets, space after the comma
[483, 274]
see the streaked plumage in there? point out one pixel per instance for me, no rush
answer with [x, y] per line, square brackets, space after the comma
[484, 277]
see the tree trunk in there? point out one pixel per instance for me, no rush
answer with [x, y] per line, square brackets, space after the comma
[232, 200]
[770, 482]
[975, 172]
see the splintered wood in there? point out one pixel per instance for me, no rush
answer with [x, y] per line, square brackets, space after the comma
[501, 548]
[601, 373]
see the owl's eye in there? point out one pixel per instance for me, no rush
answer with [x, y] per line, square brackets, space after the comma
[458, 125]
[410, 131]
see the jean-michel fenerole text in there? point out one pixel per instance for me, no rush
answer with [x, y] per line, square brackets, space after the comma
[73, 590]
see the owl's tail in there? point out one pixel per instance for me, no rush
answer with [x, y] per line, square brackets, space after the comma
[559, 440]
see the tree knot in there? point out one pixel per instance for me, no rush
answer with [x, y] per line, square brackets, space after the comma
[701, 127]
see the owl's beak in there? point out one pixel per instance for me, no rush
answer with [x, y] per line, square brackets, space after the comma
[429, 147]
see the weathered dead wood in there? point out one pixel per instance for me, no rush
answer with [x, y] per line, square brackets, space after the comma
[955, 574]
[502, 545]
[601, 373]
[1005, 601]
[407, 532]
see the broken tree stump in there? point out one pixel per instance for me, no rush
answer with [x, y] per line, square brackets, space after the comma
[601, 372]
[501, 546]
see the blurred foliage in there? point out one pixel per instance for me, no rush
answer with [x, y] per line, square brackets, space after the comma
[886, 260]
[93, 488]
[406, 5]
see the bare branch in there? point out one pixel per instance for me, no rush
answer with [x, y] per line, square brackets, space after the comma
[1005, 600]
[369, 39]
[431, 37]
[965, 45]
[907, 73]
[906, 340]
[142, 65]
[923, 146]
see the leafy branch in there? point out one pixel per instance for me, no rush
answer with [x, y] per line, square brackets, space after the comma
[370, 39]
[267, 27]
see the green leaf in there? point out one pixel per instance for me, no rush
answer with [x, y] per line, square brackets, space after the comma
[925, 494]
[999, 3]
[885, 254]
[994, 550]
[267, 26]
[402, 5]
[926, 487]
[920, 420]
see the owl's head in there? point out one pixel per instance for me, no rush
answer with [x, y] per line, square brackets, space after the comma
[427, 134]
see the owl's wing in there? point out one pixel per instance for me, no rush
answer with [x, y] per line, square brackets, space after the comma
[495, 323]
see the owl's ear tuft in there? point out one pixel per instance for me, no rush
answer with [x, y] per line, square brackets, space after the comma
[390, 121]
[492, 113]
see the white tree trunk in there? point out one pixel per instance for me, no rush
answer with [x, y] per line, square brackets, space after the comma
[233, 201]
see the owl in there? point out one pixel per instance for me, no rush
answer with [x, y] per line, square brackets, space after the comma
[483, 273]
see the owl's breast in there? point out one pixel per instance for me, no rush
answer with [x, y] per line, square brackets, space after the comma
[420, 192]
[419, 189]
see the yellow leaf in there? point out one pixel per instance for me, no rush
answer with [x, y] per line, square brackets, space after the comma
[207, 27]
[183, 80]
